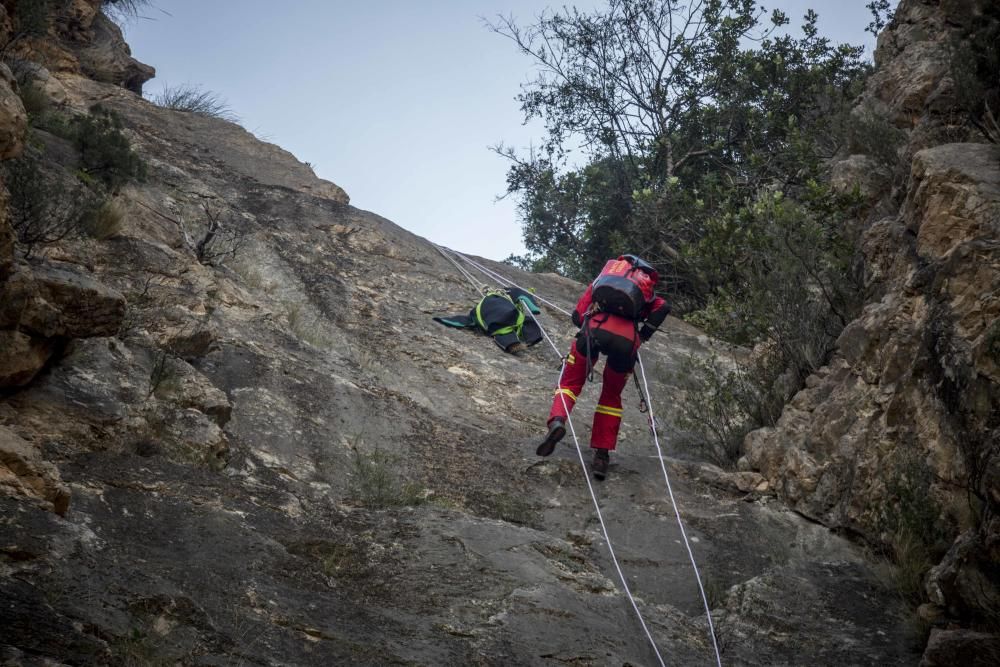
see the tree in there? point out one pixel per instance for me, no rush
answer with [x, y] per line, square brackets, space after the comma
[44, 206]
[697, 134]
[686, 109]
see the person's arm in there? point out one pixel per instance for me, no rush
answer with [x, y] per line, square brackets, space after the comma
[655, 312]
[582, 306]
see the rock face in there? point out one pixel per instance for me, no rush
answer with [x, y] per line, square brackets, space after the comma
[82, 40]
[42, 306]
[894, 437]
[281, 458]
[106, 57]
[21, 357]
[13, 125]
[60, 302]
[24, 473]
[13, 119]
[961, 647]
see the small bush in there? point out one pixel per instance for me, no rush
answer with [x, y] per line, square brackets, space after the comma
[306, 326]
[162, 373]
[105, 220]
[975, 68]
[193, 99]
[43, 208]
[32, 19]
[716, 592]
[375, 481]
[223, 239]
[57, 124]
[343, 560]
[105, 152]
[122, 10]
[139, 301]
[910, 523]
[106, 156]
[874, 135]
[711, 410]
[913, 561]
[35, 101]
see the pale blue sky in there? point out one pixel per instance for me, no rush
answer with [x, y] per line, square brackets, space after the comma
[395, 101]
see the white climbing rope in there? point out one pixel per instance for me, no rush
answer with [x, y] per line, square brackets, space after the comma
[507, 282]
[680, 524]
[604, 529]
[593, 497]
[656, 441]
[478, 286]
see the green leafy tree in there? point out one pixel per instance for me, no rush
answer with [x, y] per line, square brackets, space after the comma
[683, 118]
[697, 134]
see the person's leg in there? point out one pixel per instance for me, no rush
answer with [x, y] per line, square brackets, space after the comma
[608, 413]
[574, 375]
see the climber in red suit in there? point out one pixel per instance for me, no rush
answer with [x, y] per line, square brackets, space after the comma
[617, 313]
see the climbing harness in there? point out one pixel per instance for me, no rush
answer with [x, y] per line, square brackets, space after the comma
[590, 487]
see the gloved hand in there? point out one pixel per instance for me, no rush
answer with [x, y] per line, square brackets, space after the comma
[646, 332]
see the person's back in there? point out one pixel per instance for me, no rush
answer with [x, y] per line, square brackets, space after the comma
[609, 314]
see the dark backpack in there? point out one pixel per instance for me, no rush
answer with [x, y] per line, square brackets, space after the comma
[622, 288]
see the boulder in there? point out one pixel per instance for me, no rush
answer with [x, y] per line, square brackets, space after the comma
[85, 41]
[948, 648]
[24, 473]
[76, 18]
[6, 241]
[954, 197]
[737, 482]
[185, 435]
[6, 26]
[66, 303]
[21, 357]
[185, 387]
[862, 172]
[16, 292]
[13, 117]
[963, 583]
[108, 58]
[183, 333]
[42, 79]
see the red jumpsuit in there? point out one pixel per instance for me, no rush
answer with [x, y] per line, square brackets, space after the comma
[619, 339]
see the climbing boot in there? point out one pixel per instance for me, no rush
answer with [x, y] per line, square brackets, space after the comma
[557, 429]
[600, 465]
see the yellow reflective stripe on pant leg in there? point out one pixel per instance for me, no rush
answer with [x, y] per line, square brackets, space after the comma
[608, 410]
[571, 359]
[567, 392]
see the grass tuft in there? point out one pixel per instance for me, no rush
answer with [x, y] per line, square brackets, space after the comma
[192, 99]
[106, 220]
